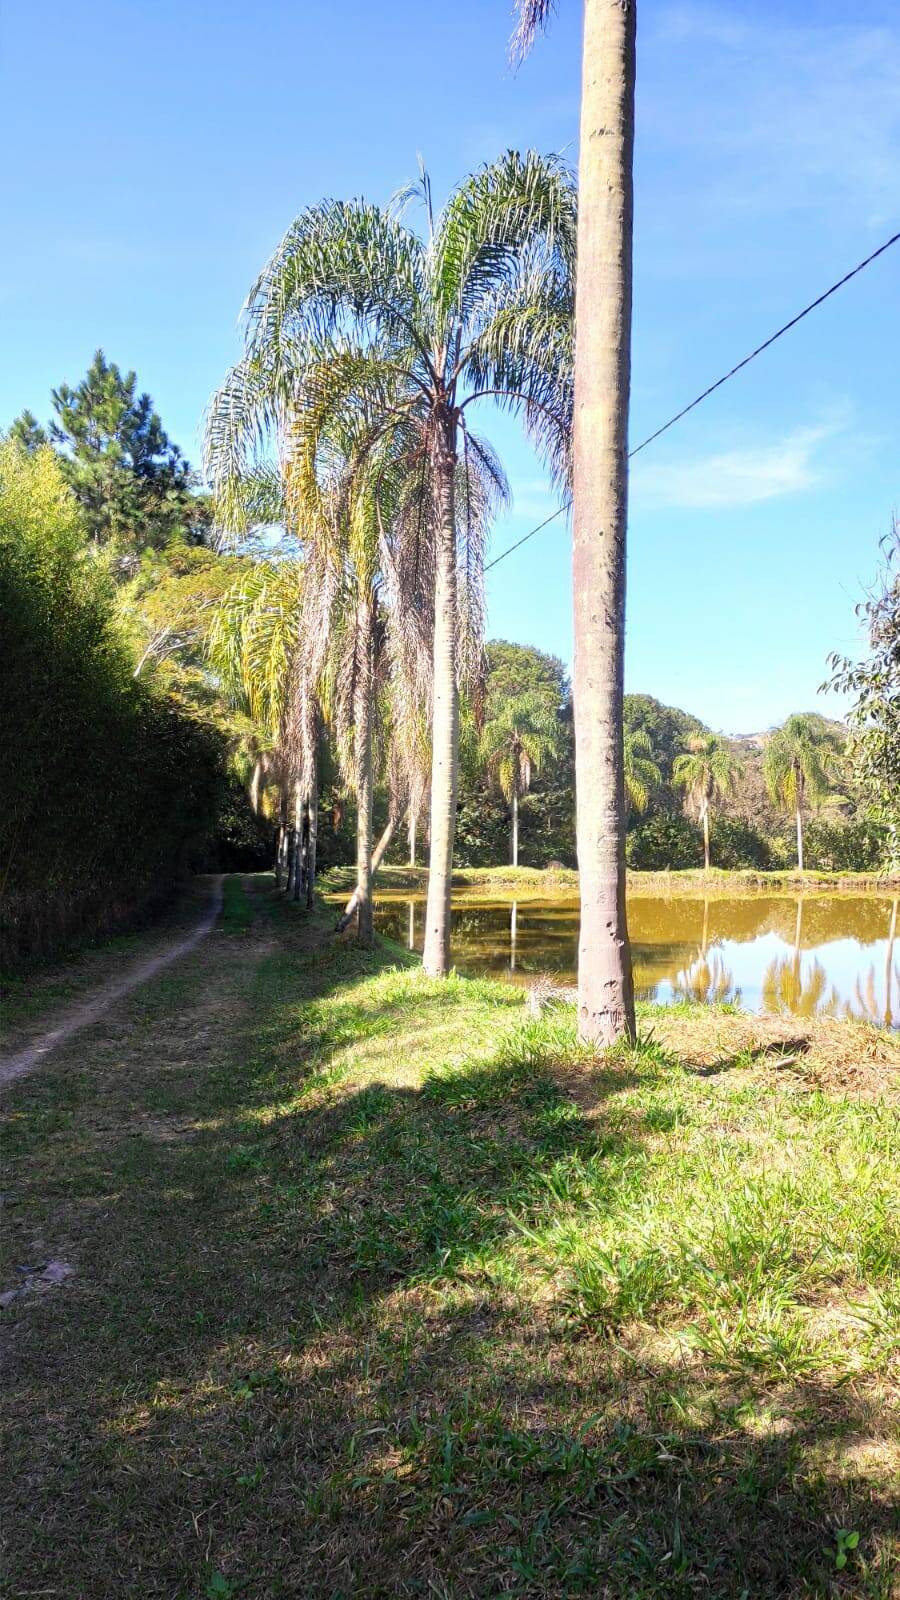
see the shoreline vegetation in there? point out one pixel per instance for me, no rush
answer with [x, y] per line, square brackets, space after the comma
[561, 882]
[393, 1289]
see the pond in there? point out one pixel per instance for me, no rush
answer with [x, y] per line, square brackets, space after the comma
[794, 955]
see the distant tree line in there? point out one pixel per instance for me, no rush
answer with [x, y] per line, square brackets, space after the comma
[682, 780]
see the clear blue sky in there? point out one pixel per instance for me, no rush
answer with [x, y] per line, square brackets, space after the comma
[156, 153]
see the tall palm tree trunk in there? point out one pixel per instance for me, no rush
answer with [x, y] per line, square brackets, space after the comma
[256, 784]
[445, 719]
[298, 880]
[706, 838]
[600, 443]
[365, 786]
[799, 837]
[413, 819]
[313, 817]
[515, 827]
[281, 846]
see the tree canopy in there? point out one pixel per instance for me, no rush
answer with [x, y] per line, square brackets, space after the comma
[874, 684]
[131, 481]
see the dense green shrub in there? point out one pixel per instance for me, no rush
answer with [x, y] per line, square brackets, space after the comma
[660, 843]
[844, 846]
[106, 786]
[737, 846]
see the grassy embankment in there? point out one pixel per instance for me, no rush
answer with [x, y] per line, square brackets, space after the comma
[562, 882]
[381, 1289]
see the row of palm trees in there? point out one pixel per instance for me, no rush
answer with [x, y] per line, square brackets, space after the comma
[350, 413]
[365, 349]
[351, 420]
[799, 760]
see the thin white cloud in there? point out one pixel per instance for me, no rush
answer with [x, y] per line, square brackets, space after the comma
[805, 115]
[729, 479]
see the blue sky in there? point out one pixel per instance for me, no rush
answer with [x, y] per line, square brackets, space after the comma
[161, 150]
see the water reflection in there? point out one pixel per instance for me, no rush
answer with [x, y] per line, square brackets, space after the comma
[707, 981]
[798, 955]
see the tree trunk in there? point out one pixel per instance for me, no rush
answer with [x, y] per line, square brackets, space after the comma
[799, 839]
[298, 881]
[365, 618]
[256, 784]
[445, 718]
[313, 803]
[377, 858]
[706, 838]
[291, 861]
[413, 819]
[281, 851]
[515, 828]
[600, 445]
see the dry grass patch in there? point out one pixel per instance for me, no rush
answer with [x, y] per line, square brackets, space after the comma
[825, 1053]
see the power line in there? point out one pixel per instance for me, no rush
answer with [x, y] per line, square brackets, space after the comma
[712, 388]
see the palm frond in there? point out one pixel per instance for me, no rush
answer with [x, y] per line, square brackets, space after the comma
[533, 15]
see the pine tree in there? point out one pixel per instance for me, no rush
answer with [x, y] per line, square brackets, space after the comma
[132, 482]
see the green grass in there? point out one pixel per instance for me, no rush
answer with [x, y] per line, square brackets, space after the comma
[562, 882]
[383, 1289]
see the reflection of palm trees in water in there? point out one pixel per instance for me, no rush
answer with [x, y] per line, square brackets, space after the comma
[889, 967]
[707, 981]
[513, 930]
[788, 991]
[867, 1004]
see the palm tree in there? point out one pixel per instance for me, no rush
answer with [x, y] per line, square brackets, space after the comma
[600, 498]
[641, 773]
[344, 506]
[375, 320]
[522, 733]
[797, 761]
[705, 771]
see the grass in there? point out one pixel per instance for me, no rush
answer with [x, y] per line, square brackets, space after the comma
[562, 882]
[382, 1289]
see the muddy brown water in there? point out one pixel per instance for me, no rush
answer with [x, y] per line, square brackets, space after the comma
[793, 955]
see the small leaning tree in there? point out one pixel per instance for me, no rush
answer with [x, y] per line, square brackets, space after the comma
[705, 771]
[411, 332]
[517, 739]
[797, 762]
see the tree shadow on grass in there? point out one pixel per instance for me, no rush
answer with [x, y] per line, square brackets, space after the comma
[298, 1350]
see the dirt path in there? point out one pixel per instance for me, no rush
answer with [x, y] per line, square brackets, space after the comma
[86, 1011]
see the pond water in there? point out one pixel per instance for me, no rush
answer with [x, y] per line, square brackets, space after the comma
[800, 955]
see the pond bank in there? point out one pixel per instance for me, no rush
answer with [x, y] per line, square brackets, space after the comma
[562, 882]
